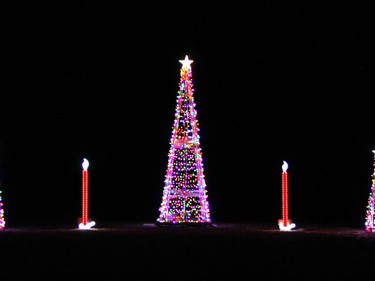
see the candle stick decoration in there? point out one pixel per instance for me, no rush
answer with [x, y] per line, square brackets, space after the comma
[85, 223]
[370, 213]
[285, 224]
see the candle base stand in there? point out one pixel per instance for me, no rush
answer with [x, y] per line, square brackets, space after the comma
[288, 227]
[88, 225]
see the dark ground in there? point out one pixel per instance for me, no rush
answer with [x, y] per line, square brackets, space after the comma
[147, 252]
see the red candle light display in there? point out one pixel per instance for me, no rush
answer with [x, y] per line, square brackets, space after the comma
[284, 183]
[285, 223]
[85, 165]
[85, 224]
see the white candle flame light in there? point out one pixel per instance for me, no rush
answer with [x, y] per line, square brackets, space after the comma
[284, 166]
[85, 164]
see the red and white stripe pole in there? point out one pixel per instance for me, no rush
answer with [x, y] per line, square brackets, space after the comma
[285, 223]
[85, 224]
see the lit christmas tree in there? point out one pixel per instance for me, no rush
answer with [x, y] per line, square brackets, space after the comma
[184, 195]
[2, 220]
[370, 213]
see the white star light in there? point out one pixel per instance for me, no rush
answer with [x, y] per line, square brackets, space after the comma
[186, 63]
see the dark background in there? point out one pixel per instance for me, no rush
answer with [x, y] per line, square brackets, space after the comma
[272, 82]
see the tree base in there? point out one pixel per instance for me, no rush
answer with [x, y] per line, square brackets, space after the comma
[184, 224]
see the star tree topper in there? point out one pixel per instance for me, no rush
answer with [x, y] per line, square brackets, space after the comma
[186, 63]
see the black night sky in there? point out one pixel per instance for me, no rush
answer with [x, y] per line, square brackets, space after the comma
[272, 82]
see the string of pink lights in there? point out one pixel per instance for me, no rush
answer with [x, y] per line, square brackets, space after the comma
[370, 213]
[2, 219]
